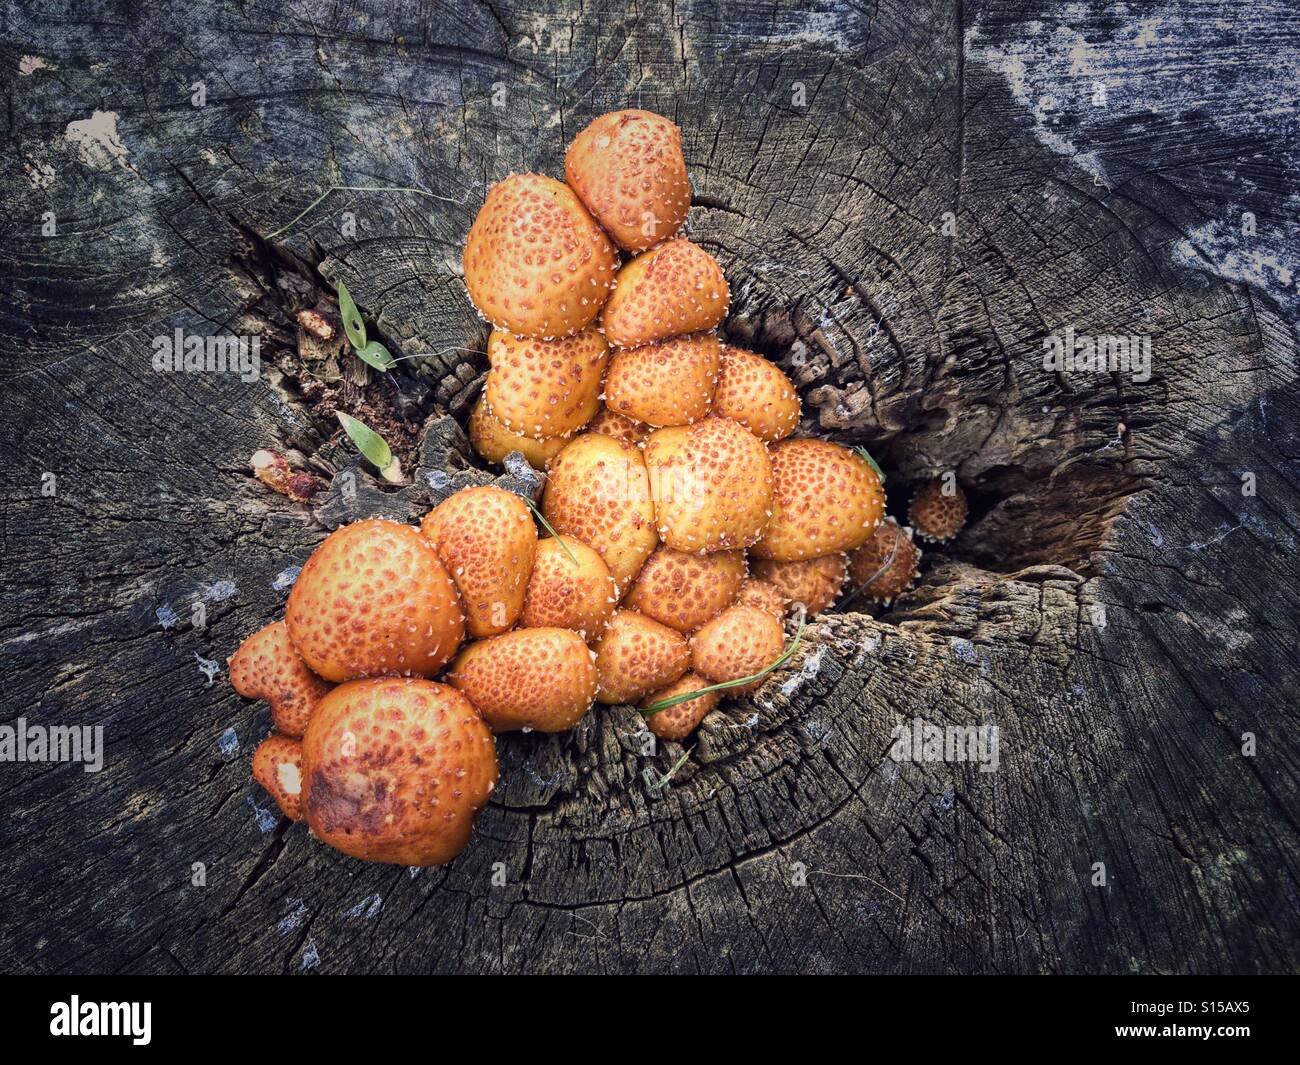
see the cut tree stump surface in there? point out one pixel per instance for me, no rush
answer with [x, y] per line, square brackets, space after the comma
[907, 198]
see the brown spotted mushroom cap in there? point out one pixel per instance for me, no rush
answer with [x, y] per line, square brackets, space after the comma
[267, 666]
[545, 388]
[394, 770]
[683, 589]
[672, 289]
[568, 595]
[536, 263]
[668, 383]
[598, 491]
[886, 565]
[827, 499]
[739, 642]
[757, 394]
[713, 486]
[486, 538]
[679, 721]
[937, 514]
[764, 595]
[541, 679]
[815, 582]
[277, 766]
[619, 426]
[375, 599]
[494, 441]
[628, 168]
[636, 655]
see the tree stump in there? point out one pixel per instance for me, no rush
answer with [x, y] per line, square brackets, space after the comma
[907, 201]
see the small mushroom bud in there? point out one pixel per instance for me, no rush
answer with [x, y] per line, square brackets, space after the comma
[316, 324]
[273, 470]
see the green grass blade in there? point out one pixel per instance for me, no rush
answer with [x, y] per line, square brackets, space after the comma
[550, 529]
[684, 697]
[353, 188]
[662, 782]
[871, 462]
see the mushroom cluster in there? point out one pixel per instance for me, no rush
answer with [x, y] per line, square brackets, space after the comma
[684, 518]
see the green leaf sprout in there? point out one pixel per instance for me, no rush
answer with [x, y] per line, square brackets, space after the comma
[372, 447]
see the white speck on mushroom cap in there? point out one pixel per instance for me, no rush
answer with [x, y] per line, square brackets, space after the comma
[290, 778]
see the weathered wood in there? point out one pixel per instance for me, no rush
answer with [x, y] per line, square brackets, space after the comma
[1117, 606]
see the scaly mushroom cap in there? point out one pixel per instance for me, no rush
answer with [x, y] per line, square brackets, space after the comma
[486, 538]
[827, 499]
[885, 566]
[375, 599]
[536, 263]
[541, 679]
[394, 770]
[683, 590]
[545, 388]
[628, 168]
[672, 289]
[267, 666]
[815, 582]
